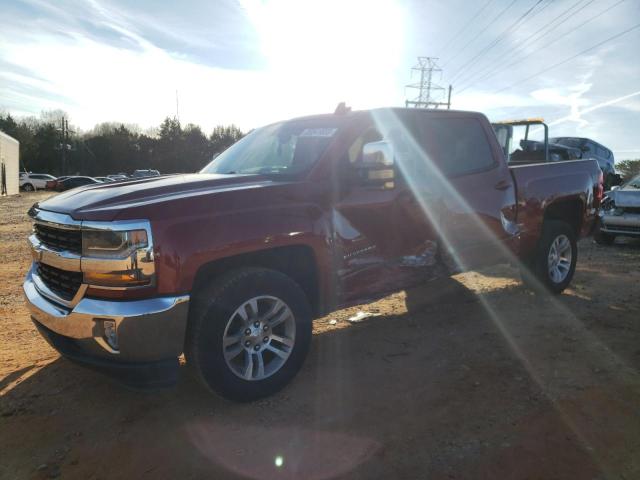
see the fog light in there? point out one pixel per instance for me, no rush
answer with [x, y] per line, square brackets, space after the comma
[110, 333]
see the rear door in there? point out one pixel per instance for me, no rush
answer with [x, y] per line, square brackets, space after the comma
[463, 187]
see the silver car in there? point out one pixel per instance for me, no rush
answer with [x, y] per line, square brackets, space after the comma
[620, 213]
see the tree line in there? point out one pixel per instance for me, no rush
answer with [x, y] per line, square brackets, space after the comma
[117, 147]
[111, 148]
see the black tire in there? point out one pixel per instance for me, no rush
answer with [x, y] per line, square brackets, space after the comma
[535, 271]
[27, 187]
[211, 310]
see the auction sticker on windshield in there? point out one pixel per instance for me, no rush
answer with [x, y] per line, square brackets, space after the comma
[318, 132]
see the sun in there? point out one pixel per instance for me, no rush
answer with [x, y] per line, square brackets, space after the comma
[336, 47]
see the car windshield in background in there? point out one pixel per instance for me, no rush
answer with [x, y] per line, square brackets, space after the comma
[634, 182]
[283, 148]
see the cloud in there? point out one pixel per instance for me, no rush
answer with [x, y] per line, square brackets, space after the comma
[253, 62]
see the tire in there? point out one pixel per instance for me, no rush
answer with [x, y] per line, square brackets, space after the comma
[27, 187]
[538, 272]
[216, 316]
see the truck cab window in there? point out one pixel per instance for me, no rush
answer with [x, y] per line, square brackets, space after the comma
[457, 146]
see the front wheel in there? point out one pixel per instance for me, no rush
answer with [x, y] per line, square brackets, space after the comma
[554, 262]
[249, 333]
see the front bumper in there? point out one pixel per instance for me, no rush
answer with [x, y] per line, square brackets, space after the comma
[623, 224]
[150, 332]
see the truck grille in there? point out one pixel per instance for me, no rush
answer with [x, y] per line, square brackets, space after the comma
[62, 283]
[59, 238]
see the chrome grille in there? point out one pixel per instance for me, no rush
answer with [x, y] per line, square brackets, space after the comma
[62, 283]
[60, 239]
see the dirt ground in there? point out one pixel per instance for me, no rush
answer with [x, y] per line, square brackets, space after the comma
[474, 377]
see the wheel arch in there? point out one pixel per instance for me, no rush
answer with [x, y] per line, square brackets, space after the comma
[298, 262]
[570, 210]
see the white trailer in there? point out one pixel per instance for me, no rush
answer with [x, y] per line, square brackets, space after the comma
[9, 164]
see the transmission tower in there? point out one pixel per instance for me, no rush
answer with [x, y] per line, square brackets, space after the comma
[64, 146]
[430, 94]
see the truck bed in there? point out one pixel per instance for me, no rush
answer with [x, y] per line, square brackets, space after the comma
[566, 184]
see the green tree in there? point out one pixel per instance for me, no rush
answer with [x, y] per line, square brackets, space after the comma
[112, 147]
[628, 168]
[223, 137]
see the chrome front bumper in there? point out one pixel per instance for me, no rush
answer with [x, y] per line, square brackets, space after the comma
[624, 224]
[148, 330]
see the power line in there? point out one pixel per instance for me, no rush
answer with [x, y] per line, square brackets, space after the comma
[492, 22]
[464, 27]
[555, 65]
[490, 65]
[496, 41]
[540, 33]
[502, 68]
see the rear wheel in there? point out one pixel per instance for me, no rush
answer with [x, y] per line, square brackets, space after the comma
[554, 262]
[27, 187]
[249, 333]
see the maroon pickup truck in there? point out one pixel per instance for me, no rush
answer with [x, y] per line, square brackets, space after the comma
[299, 218]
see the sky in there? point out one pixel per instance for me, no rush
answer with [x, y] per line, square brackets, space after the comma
[252, 62]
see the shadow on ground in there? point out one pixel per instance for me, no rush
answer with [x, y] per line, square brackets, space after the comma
[443, 390]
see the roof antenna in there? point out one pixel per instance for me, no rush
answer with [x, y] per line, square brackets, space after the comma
[342, 109]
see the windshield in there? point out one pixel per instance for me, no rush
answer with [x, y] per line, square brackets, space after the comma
[634, 182]
[568, 142]
[281, 148]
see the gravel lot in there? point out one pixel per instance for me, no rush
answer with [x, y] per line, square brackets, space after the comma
[473, 377]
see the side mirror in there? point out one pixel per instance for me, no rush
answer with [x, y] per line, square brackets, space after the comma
[377, 154]
[378, 164]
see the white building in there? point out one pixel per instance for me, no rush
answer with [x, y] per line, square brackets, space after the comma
[9, 164]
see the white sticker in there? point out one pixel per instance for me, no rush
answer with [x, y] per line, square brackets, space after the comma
[318, 132]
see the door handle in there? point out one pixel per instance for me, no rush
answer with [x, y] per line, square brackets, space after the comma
[502, 185]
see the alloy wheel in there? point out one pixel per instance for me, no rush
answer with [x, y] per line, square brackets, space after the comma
[259, 337]
[559, 258]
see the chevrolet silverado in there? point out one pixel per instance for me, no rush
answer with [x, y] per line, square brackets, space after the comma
[230, 265]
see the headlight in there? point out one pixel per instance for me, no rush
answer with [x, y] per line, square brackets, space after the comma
[117, 258]
[112, 244]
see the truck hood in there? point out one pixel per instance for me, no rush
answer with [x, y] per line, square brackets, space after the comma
[107, 200]
[625, 197]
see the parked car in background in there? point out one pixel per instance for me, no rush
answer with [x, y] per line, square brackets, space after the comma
[620, 213]
[105, 179]
[73, 182]
[145, 173]
[34, 181]
[297, 219]
[51, 184]
[117, 178]
[592, 149]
